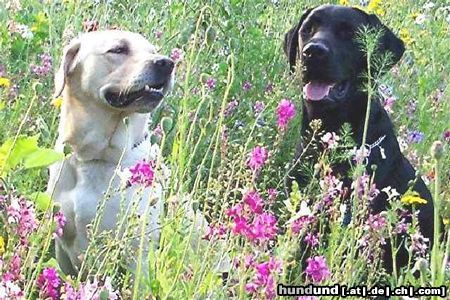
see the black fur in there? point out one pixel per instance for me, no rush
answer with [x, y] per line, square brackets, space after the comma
[335, 27]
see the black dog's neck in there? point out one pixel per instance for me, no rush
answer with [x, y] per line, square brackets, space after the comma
[334, 115]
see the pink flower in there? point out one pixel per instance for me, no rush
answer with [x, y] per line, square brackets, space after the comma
[254, 202]
[21, 213]
[447, 136]
[317, 268]
[60, 221]
[285, 112]
[177, 55]
[158, 34]
[215, 232]
[91, 290]
[45, 67]
[331, 139]
[258, 158]
[419, 244]
[48, 282]
[142, 173]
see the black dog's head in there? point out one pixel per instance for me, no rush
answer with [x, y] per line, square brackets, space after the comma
[332, 59]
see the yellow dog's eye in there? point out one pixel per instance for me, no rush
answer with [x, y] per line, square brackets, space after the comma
[119, 50]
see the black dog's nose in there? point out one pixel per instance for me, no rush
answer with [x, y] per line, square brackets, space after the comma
[315, 51]
[164, 64]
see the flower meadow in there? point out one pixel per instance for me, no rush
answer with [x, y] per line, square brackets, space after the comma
[227, 133]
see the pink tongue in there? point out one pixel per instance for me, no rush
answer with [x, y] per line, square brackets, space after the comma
[316, 91]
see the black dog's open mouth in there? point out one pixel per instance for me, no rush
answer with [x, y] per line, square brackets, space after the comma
[147, 93]
[316, 91]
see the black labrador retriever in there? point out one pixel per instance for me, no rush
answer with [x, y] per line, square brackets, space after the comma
[332, 64]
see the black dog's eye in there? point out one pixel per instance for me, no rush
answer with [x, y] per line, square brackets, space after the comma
[345, 30]
[122, 49]
[309, 29]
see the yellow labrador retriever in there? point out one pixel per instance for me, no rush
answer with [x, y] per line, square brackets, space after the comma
[110, 81]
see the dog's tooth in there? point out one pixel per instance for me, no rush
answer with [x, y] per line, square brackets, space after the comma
[147, 88]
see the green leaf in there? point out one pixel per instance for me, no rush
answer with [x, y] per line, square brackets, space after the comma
[42, 157]
[42, 200]
[104, 295]
[11, 154]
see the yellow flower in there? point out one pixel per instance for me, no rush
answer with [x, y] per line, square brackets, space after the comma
[412, 198]
[406, 36]
[446, 221]
[343, 2]
[5, 82]
[57, 102]
[374, 5]
[2, 245]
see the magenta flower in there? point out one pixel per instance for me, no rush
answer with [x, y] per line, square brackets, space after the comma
[142, 173]
[177, 55]
[257, 158]
[285, 112]
[254, 202]
[263, 281]
[240, 226]
[60, 221]
[211, 83]
[263, 228]
[48, 282]
[317, 269]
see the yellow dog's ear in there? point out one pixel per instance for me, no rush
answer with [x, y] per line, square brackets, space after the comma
[67, 65]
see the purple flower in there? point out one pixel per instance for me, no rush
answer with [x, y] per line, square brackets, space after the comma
[447, 135]
[258, 107]
[158, 34]
[231, 107]
[2, 71]
[258, 158]
[177, 55]
[142, 173]
[285, 112]
[48, 282]
[301, 223]
[60, 221]
[45, 67]
[376, 222]
[415, 136]
[419, 244]
[411, 107]
[211, 83]
[269, 88]
[317, 269]
[246, 86]
[389, 103]
[311, 240]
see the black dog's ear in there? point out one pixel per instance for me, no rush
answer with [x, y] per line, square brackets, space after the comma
[290, 45]
[388, 41]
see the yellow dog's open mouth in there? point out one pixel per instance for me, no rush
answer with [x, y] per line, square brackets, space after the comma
[147, 93]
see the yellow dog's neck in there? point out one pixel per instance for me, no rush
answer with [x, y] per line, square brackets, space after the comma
[96, 132]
